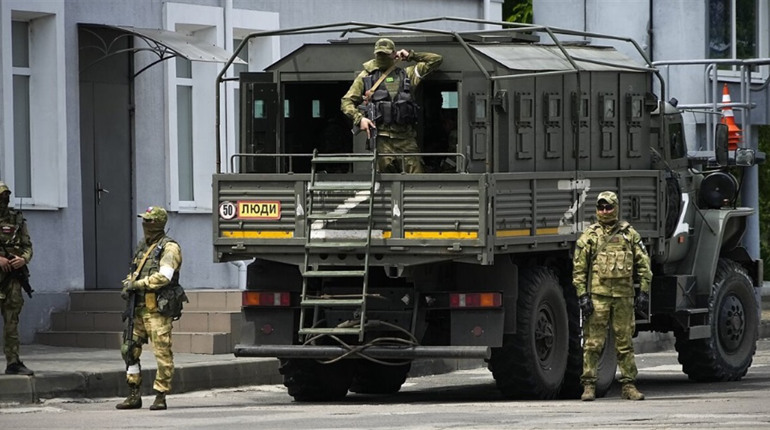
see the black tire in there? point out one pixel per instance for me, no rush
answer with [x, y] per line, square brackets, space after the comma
[608, 365]
[572, 387]
[531, 362]
[727, 354]
[375, 378]
[311, 381]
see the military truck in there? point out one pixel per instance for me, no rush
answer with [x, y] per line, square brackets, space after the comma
[357, 273]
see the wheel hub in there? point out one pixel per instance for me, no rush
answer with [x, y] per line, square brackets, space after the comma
[732, 323]
[544, 335]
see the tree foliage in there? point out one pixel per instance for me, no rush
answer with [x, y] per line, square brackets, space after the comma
[518, 11]
[764, 200]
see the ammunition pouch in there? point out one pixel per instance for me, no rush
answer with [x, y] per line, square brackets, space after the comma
[171, 300]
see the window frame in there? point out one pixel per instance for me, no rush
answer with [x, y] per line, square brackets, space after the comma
[47, 161]
[762, 41]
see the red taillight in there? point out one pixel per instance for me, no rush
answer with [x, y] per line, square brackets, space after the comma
[475, 300]
[264, 298]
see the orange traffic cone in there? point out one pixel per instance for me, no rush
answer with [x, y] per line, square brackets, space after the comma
[733, 131]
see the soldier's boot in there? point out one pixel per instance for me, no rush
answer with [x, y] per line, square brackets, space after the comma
[18, 368]
[160, 402]
[134, 399]
[589, 393]
[631, 393]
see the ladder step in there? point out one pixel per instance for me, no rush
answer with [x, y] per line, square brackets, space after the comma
[333, 330]
[343, 159]
[334, 274]
[340, 186]
[336, 216]
[337, 245]
[332, 302]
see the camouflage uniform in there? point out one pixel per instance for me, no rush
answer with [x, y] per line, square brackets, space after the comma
[160, 269]
[14, 242]
[615, 260]
[391, 138]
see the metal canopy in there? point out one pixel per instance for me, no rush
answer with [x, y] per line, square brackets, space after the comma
[548, 57]
[165, 45]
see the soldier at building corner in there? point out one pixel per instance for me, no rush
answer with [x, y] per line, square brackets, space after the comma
[154, 270]
[380, 101]
[609, 255]
[15, 254]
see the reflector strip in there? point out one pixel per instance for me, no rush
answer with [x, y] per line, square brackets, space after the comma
[264, 298]
[475, 300]
[512, 233]
[258, 234]
[441, 235]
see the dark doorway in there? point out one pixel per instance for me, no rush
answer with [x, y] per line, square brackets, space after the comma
[106, 154]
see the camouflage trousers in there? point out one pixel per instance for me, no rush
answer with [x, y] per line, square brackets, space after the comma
[11, 302]
[156, 328]
[617, 313]
[393, 164]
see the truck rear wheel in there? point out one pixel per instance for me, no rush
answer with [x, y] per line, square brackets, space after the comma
[531, 362]
[727, 354]
[572, 387]
[310, 381]
[376, 378]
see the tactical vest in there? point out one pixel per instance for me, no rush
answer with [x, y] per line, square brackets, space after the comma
[10, 226]
[615, 258]
[152, 265]
[392, 98]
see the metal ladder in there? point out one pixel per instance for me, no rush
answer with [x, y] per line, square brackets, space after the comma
[313, 267]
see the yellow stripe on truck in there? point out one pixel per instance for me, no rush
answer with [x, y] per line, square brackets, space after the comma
[258, 234]
[441, 235]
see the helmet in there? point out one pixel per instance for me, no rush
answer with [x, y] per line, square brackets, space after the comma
[156, 214]
[4, 188]
[384, 46]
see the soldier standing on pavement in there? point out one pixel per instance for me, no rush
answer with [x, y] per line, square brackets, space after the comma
[15, 254]
[393, 100]
[156, 264]
[608, 255]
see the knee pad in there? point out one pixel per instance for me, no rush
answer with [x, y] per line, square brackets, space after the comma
[130, 350]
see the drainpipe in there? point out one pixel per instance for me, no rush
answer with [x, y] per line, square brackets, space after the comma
[242, 268]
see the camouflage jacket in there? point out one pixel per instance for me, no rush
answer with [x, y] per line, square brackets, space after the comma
[14, 237]
[614, 262]
[162, 265]
[426, 63]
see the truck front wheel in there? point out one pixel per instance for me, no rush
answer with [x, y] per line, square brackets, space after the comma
[531, 363]
[310, 381]
[727, 353]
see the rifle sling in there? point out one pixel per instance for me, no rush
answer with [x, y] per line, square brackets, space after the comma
[379, 81]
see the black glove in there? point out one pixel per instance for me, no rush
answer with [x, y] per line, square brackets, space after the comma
[642, 303]
[586, 305]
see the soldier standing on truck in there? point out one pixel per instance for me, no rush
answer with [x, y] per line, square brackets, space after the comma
[15, 253]
[384, 92]
[608, 255]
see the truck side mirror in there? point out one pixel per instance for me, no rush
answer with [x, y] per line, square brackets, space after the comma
[720, 144]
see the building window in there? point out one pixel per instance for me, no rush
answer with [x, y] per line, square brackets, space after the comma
[21, 140]
[33, 159]
[735, 27]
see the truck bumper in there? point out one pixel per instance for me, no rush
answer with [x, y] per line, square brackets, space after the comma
[379, 352]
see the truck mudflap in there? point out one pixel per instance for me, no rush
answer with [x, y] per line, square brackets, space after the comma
[379, 352]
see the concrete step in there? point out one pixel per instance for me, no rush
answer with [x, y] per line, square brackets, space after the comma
[110, 300]
[182, 342]
[210, 322]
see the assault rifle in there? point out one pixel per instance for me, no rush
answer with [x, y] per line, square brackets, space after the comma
[370, 112]
[21, 275]
[128, 314]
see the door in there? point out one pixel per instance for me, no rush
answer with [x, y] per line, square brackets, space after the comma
[106, 161]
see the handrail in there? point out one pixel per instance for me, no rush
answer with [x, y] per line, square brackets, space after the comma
[460, 158]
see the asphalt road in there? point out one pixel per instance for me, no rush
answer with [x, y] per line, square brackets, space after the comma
[459, 400]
